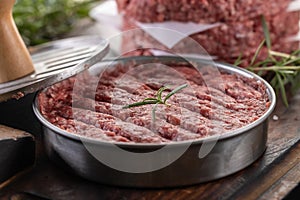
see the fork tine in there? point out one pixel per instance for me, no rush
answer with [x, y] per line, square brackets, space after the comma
[55, 55]
[67, 60]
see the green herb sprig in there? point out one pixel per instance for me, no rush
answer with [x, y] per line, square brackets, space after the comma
[158, 100]
[280, 69]
[41, 21]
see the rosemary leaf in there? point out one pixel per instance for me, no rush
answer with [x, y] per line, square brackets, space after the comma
[295, 53]
[157, 100]
[274, 81]
[142, 103]
[275, 68]
[280, 69]
[280, 54]
[257, 52]
[159, 93]
[291, 61]
[287, 72]
[263, 63]
[174, 92]
[266, 32]
[149, 99]
[282, 89]
[238, 61]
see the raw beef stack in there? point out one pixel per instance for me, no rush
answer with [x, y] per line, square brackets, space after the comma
[240, 31]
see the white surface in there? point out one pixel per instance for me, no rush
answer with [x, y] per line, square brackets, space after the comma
[294, 6]
[107, 13]
[157, 30]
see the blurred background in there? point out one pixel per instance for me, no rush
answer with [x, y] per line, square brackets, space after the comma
[41, 21]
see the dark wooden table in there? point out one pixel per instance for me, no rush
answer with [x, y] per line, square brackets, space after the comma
[273, 176]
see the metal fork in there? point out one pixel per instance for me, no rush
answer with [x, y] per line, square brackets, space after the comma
[56, 61]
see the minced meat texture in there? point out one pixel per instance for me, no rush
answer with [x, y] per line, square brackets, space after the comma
[212, 104]
[200, 11]
[227, 42]
[239, 34]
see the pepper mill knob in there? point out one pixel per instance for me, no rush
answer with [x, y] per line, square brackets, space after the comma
[15, 60]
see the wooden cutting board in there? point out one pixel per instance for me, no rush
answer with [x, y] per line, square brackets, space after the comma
[17, 151]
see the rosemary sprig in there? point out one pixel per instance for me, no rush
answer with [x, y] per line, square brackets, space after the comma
[266, 32]
[158, 100]
[280, 69]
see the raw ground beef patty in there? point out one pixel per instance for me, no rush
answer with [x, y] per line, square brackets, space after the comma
[212, 103]
[227, 41]
[199, 11]
[239, 34]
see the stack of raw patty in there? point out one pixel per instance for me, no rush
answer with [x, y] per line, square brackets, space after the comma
[240, 31]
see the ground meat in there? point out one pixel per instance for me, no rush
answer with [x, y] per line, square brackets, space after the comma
[227, 41]
[199, 11]
[92, 106]
[240, 31]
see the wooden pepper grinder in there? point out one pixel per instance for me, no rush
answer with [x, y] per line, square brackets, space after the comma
[15, 60]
